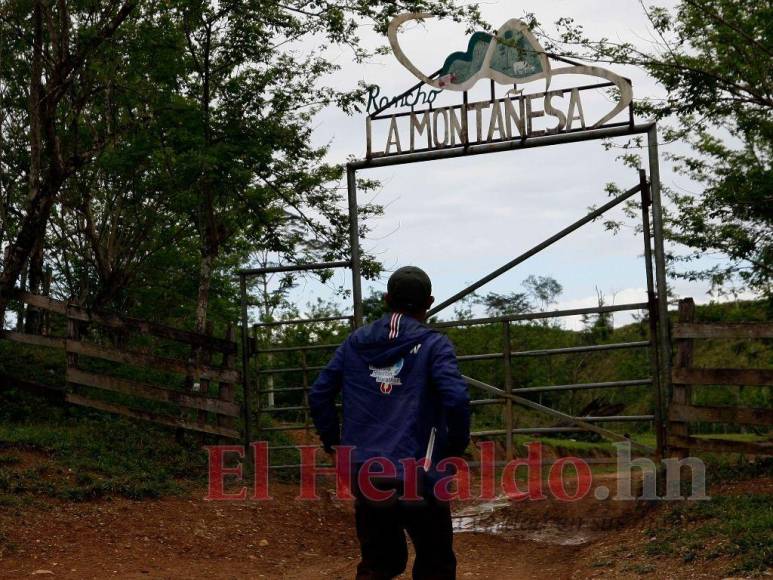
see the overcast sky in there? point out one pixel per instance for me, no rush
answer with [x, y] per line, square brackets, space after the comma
[459, 219]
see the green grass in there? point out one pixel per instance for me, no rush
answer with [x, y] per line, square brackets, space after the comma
[743, 523]
[81, 455]
[746, 521]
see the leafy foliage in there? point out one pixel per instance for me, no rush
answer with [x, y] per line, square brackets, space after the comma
[176, 142]
[713, 58]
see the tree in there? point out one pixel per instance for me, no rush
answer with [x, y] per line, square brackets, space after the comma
[169, 141]
[256, 94]
[598, 326]
[545, 290]
[713, 58]
[57, 48]
[505, 304]
[374, 306]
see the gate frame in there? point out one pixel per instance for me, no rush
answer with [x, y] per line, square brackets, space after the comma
[656, 281]
[657, 300]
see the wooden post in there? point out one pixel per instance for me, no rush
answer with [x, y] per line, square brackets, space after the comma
[682, 393]
[45, 328]
[226, 390]
[73, 334]
[202, 357]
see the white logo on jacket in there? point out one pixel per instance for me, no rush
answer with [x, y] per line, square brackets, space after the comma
[387, 376]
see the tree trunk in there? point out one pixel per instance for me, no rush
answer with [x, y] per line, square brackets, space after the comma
[205, 281]
[35, 281]
[207, 220]
[38, 205]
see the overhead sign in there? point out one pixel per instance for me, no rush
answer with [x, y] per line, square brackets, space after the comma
[512, 56]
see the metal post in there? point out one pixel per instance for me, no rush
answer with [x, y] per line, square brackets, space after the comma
[506, 348]
[354, 242]
[247, 411]
[664, 356]
[652, 309]
[305, 378]
[258, 387]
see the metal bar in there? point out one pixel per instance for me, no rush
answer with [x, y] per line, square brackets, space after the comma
[652, 310]
[289, 370]
[354, 244]
[478, 402]
[294, 268]
[285, 428]
[247, 407]
[619, 419]
[581, 386]
[535, 250]
[539, 315]
[303, 321]
[577, 349]
[527, 430]
[448, 153]
[293, 408]
[547, 430]
[298, 348]
[664, 353]
[283, 390]
[548, 411]
[306, 409]
[258, 389]
[474, 357]
[281, 409]
[508, 389]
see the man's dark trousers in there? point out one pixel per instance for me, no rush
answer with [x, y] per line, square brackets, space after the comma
[381, 527]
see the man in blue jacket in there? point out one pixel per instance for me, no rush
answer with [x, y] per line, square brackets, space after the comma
[403, 399]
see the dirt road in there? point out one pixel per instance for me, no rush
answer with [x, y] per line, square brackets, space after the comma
[192, 538]
[186, 537]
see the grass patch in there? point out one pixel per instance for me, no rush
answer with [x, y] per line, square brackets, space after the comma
[86, 455]
[742, 523]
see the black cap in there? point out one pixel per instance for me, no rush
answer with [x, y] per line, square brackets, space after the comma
[409, 287]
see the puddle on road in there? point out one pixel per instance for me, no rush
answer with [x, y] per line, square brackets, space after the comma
[492, 518]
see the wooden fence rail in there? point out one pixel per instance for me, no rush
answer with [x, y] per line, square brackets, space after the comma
[190, 404]
[682, 411]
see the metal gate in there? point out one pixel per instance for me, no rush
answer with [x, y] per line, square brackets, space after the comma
[291, 418]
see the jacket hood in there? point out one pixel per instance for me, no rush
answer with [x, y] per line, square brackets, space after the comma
[389, 338]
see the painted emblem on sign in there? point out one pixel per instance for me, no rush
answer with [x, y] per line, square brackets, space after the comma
[512, 55]
[387, 376]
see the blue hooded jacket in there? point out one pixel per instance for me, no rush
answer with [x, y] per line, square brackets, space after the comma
[399, 379]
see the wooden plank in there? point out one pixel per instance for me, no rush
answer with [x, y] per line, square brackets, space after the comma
[743, 377]
[723, 330]
[742, 415]
[723, 445]
[147, 416]
[33, 339]
[148, 360]
[119, 321]
[226, 390]
[681, 394]
[152, 392]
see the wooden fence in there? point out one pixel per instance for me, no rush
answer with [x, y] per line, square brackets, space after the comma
[184, 402]
[682, 412]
